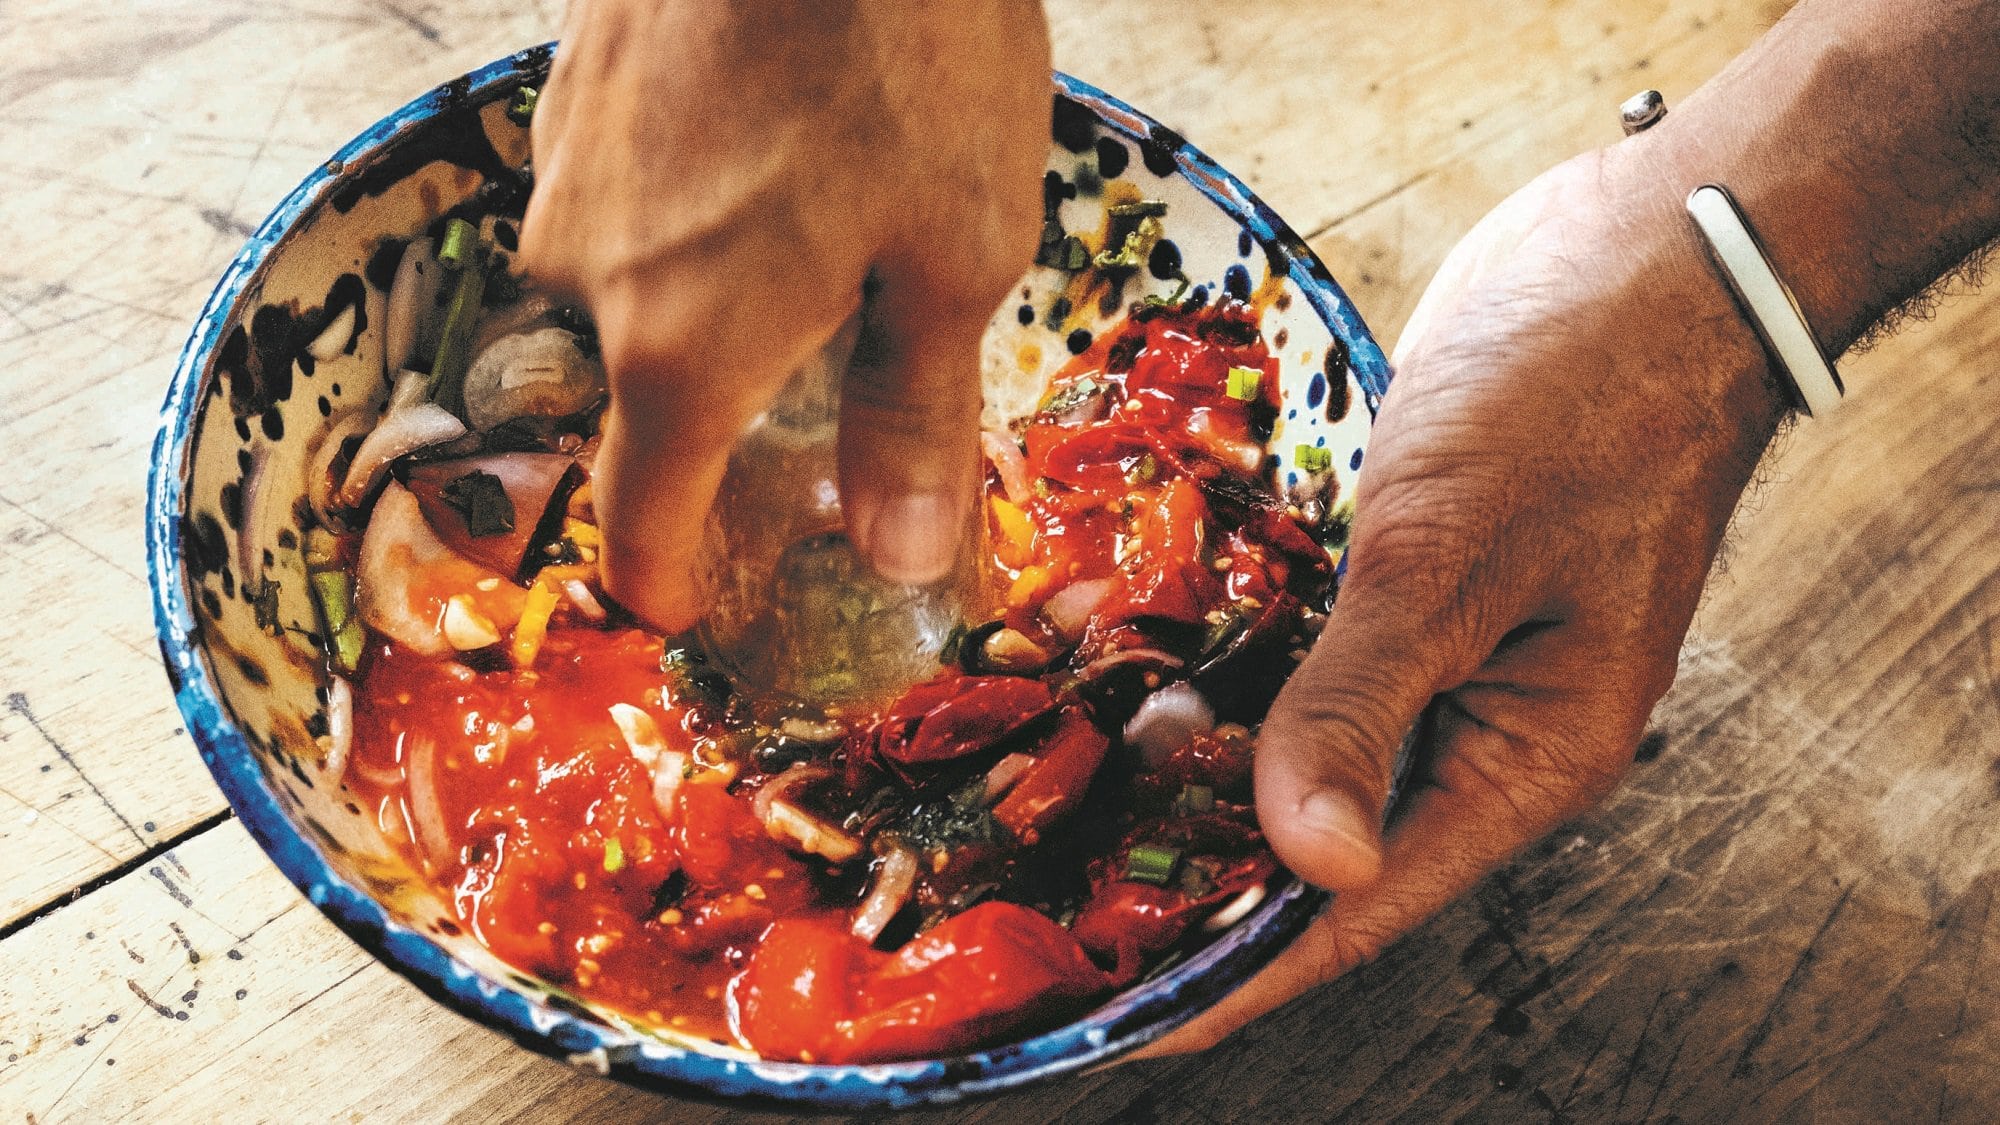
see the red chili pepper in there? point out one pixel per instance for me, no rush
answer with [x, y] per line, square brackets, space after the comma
[952, 716]
[1130, 922]
[1057, 781]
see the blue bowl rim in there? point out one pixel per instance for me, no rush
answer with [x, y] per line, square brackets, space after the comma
[1128, 1021]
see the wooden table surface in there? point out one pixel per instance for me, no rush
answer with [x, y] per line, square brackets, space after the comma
[1782, 915]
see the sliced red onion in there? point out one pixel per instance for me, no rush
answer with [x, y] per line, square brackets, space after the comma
[585, 602]
[1152, 658]
[895, 878]
[1005, 453]
[801, 774]
[1005, 773]
[1237, 909]
[426, 807]
[786, 821]
[1246, 456]
[668, 775]
[642, 734]
[252, 491]
[1070, 609]
[412, 423]
[1167, 720]
[809, 833]
[540, 372]
[332, 340]
[532, 481]
[396, 550]
[412, 301]
[320, 483]
[339, 727]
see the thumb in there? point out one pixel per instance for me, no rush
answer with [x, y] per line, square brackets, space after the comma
[909, 431]
[1327, 749]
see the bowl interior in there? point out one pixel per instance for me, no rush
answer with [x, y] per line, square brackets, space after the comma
[252, 401]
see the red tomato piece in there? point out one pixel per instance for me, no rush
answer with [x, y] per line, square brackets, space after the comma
[793, 999]
[972, 978]
[720, 842]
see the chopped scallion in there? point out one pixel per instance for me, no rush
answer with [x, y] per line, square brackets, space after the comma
[1244, 383]
[1141, 209]
[1145, 863]
[1196, 798]
[334, 595]
[614, 856]
[1144, 470]
[522, 109]
[455, 338]
[459, 239]
[1313, 458]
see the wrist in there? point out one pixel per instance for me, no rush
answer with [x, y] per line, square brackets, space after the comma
[1713, 358]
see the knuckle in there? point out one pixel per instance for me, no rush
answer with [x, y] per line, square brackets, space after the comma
[1343, 945]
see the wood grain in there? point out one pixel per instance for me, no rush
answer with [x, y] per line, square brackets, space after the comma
[1784, 914]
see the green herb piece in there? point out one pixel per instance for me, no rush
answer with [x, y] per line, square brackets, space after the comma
[1144, 471]
[1173, 298]
[482, 501]
[950, 824]
[1339, 523]
[460, 237]
[1069, 398]
[953, 641]
[1145, 863]
[335, 598]
[1134, 250]
[522, 109]
[614, 856]
[1244, 383]
[454, 349]
[1142, 209]
[1069, 253]
[1313, 458]
[1195, 882]
[1196, 799]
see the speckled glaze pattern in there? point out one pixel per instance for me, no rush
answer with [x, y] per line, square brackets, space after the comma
[226, 513]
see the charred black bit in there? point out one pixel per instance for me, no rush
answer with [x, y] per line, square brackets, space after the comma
[482, 501]
[264, 605]
[671, 892]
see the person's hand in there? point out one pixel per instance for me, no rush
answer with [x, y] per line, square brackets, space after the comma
[1576, 410]
[717, 181]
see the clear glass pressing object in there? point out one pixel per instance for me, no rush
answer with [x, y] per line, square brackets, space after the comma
[796, 609]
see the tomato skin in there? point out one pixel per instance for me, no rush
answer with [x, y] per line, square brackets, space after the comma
[718, 838]
[793, 998]
[813, 990]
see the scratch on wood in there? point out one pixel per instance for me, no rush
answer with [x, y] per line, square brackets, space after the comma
[1805, 958]
[147, 999]
[180, 935]
[17, 702]
[180, 896]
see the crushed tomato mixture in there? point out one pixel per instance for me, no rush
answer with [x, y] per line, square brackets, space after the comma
[1064, 806]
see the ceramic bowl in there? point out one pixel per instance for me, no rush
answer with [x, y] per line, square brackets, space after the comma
[293, 335]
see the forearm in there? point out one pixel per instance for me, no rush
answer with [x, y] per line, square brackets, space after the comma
[1862, 138]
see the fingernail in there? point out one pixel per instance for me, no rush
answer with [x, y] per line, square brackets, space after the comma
[1330, 812]
[913, 537]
